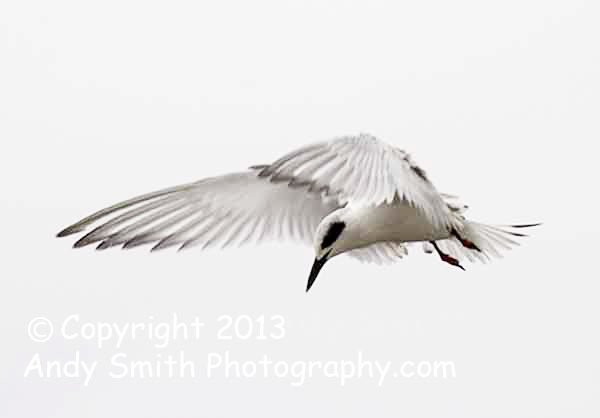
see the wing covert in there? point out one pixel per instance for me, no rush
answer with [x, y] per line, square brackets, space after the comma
[361, 170]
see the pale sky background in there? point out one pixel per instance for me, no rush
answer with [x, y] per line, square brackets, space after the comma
[498, 101]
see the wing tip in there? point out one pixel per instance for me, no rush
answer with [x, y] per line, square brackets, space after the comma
[163, 244]
[134, 243]
[70, 230]
[104, 245]
[82, 242]
[90, 238]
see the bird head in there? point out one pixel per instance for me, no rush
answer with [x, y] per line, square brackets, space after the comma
[329, 242]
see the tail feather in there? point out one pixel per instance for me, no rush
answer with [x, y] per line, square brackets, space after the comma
[491, 240]
[525, 225]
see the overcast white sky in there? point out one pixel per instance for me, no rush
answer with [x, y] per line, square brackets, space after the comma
[498, 101]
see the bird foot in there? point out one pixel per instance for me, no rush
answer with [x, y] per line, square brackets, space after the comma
[451, 260]
[445, 257]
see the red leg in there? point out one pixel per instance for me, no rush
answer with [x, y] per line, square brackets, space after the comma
[465, 242]
[445, 257]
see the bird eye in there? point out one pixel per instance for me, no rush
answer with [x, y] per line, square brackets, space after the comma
[333, 233]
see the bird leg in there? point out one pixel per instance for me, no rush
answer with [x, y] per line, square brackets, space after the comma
[445, 257]
[465, 242]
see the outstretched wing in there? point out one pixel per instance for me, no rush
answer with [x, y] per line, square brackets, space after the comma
[285, 199]
[361, 170]
[229, 209]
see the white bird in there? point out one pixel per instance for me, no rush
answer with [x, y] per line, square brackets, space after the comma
[355, 195]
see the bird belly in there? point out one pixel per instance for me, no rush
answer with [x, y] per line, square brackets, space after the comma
[399, 223]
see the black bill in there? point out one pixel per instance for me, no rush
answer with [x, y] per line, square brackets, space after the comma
[314, 271]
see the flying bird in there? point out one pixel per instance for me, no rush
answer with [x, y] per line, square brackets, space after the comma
[355, 195]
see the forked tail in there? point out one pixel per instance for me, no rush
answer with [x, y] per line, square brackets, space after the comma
[478, 242]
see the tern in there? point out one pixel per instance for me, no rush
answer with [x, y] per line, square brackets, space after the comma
[355, 195]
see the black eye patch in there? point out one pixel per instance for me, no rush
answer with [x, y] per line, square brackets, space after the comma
[333, 233]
